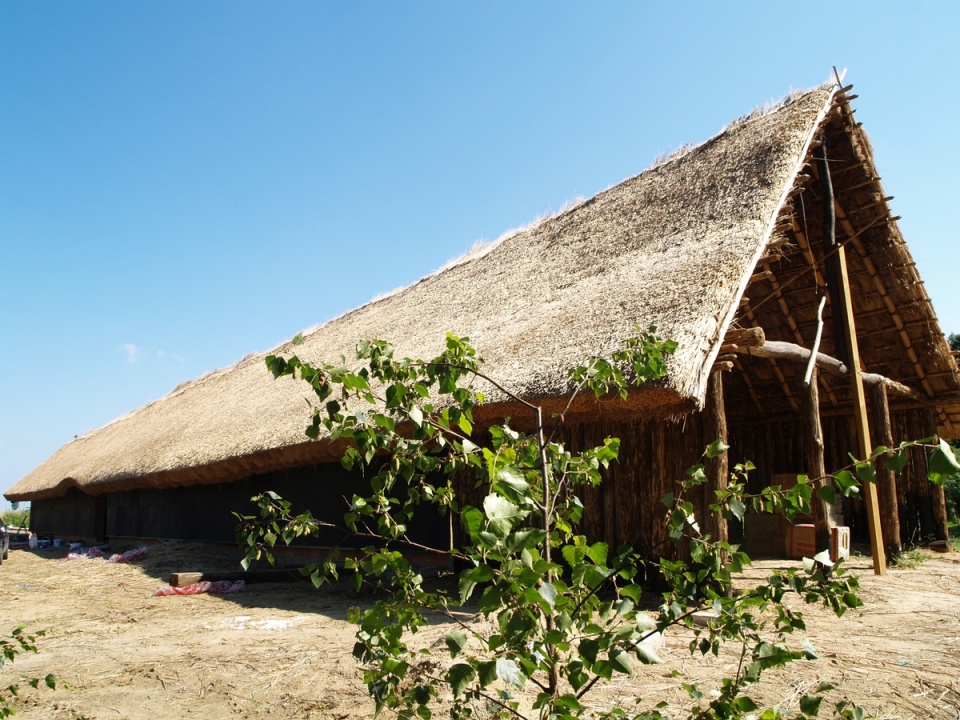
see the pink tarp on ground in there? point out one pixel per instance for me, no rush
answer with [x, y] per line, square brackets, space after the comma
[218, 587]
[88, 554]
[129, 555]
[93, 552]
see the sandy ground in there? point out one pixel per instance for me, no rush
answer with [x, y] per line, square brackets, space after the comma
[284, 650]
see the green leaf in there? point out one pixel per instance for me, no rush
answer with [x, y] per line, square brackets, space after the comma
[846, 483]
[716, 448]
[487, 672]
[571, 554]
[943, 463]
[395, 395]
[576, 674]
[866, 472]
[810, 705]
[488, 538]
[737, 508]
[851, 599]
[621, 662]
[824, 558]
[416, 416]
[644, 622]
[745, 704]
[470, 578]
[459, 676]
[497, 507]
[897, 462]
[588, 650]
[472, 520]
[549, 593]
[512, 479]
[570, 703]
[509, 672]
[455, 641]
[647, 655]
[828, 493]
[598, 553]
[501, 514]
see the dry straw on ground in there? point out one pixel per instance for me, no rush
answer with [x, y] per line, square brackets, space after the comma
[284, 650]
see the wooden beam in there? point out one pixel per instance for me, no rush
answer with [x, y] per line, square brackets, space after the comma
[892, 386]
[780, 350]
[746, 337]
[839, 288]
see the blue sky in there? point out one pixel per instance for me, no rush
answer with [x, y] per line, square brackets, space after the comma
[184, 183]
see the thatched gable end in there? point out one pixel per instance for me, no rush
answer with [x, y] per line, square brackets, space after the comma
[675, 247]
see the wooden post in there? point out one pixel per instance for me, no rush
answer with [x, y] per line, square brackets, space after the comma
[845, 331]
[938, 497]
[717, 468]
[886, 479]
[816, 467]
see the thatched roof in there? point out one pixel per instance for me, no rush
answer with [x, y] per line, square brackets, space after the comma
[675, 247]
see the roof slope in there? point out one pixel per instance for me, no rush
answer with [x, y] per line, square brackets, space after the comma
[673, 247]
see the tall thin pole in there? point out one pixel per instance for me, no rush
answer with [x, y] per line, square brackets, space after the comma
[839, 288]
[715, 428]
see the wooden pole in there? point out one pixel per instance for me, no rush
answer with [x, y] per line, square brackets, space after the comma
[813, 438]
[886, 479]
[816, 467]
[845, 330]
[715, 428]
[938, 497]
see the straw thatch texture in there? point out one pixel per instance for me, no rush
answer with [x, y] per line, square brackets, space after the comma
[673, 247]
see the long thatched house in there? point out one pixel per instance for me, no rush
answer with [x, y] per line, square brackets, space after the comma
[747, 250]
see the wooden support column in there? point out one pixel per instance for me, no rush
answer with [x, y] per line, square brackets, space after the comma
[816, 467]
[717, 468]
[941, 519]
[886, 479]
[938, 498]
[845, 331]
